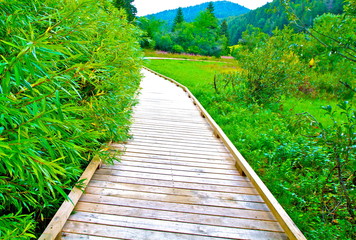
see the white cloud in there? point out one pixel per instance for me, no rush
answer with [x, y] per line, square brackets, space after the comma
[145, 7]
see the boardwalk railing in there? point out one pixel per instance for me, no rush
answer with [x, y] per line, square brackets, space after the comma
[244, 168]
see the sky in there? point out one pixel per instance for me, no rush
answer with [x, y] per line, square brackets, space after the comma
[145, 7]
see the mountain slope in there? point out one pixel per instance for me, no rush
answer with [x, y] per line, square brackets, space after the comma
[273, 15]
[223, 9]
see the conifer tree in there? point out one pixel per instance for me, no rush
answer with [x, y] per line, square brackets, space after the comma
[178, 19]
[211, 8]
[129, 8]
[224, 29]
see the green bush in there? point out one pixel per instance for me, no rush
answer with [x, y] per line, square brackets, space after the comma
[177, 49]
[68, 73]
[271, 69]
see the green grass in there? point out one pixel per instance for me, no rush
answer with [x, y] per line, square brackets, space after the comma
[292, 165]
[190, 73]
[200, 75]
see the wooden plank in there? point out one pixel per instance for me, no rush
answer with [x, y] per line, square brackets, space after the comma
[286, 222]
[165, 110]
[178, 141]
[178, 144]
[190, 152]
[175, 227]
[173, 123]
[169, 148]
[73, 236]
[168, 128]
[234, 202]
[161, 160]
[168, 112]
[152, 98]
[175, 137]
[192, 116]
[172, 135]
[126, 232]
[176, 178]
[179, 156]
[168, 165]
[160, 129]
[168, 156]
[60, 218]
[194, 152]
[176, 191]
[164, 130]
[222, 157]
[212, 220]
[121, 167]
[181, 120]
[216, 148]
[169, 183]
[193, 121]
[179, 207]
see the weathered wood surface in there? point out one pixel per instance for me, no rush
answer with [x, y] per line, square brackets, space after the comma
[176, 180]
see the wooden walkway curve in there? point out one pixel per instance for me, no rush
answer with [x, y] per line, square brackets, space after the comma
[176, 180]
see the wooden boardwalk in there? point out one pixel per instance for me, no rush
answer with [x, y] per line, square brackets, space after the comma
[176, 180]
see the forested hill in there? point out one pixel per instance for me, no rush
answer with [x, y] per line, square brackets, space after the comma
[223, 9]
[273, 15]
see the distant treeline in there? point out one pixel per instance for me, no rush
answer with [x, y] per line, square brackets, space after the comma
[273, 15]
[209, 35]
[204, 36]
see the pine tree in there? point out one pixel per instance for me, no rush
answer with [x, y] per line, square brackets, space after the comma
[178, 19]
[211, 8]
[224, 29]
[129, 8]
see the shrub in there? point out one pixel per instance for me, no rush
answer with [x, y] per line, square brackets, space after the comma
[68, 72]
[177, 48]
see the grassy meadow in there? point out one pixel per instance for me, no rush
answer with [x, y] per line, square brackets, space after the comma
[198, 76]
[275, 141]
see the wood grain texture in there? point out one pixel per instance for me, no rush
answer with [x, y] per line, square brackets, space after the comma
[176, 180]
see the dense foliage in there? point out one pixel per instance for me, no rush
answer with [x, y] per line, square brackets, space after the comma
[68, 73]
[203, 36]
[127, 6]
[316, 63]
[270, 110]
[273, 15]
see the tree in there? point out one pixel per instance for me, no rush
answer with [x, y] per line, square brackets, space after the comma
[211, 8]
[128, 7]
[178, 19]
[225, 34]
[224, 29]
[333, 32]
[207, 34]
[206, 20]
[253, 37]
[152, 31]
